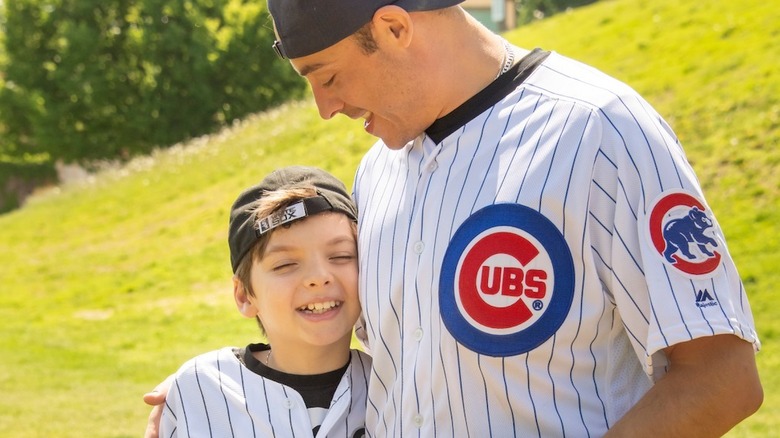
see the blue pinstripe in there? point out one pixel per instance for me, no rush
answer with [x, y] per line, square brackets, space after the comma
[224, 398]
[203, 398]
[246, 403]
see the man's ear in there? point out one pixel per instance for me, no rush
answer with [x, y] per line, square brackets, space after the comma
[392, 25]
[244, 305]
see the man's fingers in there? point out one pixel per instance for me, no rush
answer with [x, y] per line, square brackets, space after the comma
[154, 398]
[153, 425]
[157, 395]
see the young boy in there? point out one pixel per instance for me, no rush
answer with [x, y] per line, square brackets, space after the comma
[293, 251]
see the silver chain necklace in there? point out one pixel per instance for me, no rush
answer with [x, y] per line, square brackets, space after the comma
[509, 59]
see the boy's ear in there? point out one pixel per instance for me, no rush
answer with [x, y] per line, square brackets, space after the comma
[245, 307]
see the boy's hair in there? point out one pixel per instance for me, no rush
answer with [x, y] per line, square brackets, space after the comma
[284, 196]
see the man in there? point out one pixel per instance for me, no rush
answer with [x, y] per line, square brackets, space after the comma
[537, 258]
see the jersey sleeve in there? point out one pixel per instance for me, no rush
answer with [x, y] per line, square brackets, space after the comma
[668, 269]
[208, 398]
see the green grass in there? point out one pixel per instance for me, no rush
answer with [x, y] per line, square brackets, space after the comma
[109, 285]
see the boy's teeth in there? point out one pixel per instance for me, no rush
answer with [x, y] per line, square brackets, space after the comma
[319, 307]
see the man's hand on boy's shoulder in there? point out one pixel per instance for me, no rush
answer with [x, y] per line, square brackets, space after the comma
[156, 398]
[153, 425]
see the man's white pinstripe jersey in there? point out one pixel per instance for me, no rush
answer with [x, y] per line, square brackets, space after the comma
[524, 262]
[216, 395]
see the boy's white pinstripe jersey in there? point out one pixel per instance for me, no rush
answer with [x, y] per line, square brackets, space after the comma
[525, 261]
[215, 395]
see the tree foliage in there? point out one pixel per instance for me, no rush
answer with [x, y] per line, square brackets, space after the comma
[90, 79]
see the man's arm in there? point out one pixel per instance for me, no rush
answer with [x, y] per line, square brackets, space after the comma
[156, 398]
[711, 385]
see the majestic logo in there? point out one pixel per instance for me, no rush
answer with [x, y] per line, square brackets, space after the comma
[704, 299]
[507, 281]
[681, 231]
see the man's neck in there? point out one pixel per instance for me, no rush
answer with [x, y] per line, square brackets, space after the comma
[467, 63]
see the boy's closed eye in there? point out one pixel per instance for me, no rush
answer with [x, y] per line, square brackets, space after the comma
[345, 257]
[283, 266]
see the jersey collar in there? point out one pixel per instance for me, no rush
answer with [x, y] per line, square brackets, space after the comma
[489, 96]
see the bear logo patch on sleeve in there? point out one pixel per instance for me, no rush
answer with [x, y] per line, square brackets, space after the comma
[684, 232]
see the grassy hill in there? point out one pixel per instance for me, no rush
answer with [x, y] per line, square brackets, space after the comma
[106, 286]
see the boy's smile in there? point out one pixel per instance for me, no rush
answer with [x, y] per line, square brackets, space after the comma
[320, 307]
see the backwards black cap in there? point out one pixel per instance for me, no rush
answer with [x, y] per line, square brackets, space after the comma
[304, 27]
[245, 229]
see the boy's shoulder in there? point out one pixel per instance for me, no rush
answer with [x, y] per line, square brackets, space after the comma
[223, 357]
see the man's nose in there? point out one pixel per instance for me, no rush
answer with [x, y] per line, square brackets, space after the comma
[327, 104]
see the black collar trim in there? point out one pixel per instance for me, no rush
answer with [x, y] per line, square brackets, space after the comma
[489, 96]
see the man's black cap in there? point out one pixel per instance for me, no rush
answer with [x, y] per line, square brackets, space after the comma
[304, 27]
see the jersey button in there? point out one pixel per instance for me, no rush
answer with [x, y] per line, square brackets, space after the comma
[418, 420]
[288, 404]
[419, 247]
[432, 167]
[418, 333]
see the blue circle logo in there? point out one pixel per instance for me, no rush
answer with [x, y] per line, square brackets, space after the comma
[507, 281]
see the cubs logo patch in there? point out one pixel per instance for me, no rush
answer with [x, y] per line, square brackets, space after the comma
[507, 281]
[681, 230]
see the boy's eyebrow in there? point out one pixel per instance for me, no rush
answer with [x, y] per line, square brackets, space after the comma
[339, 239]
[282, 248]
